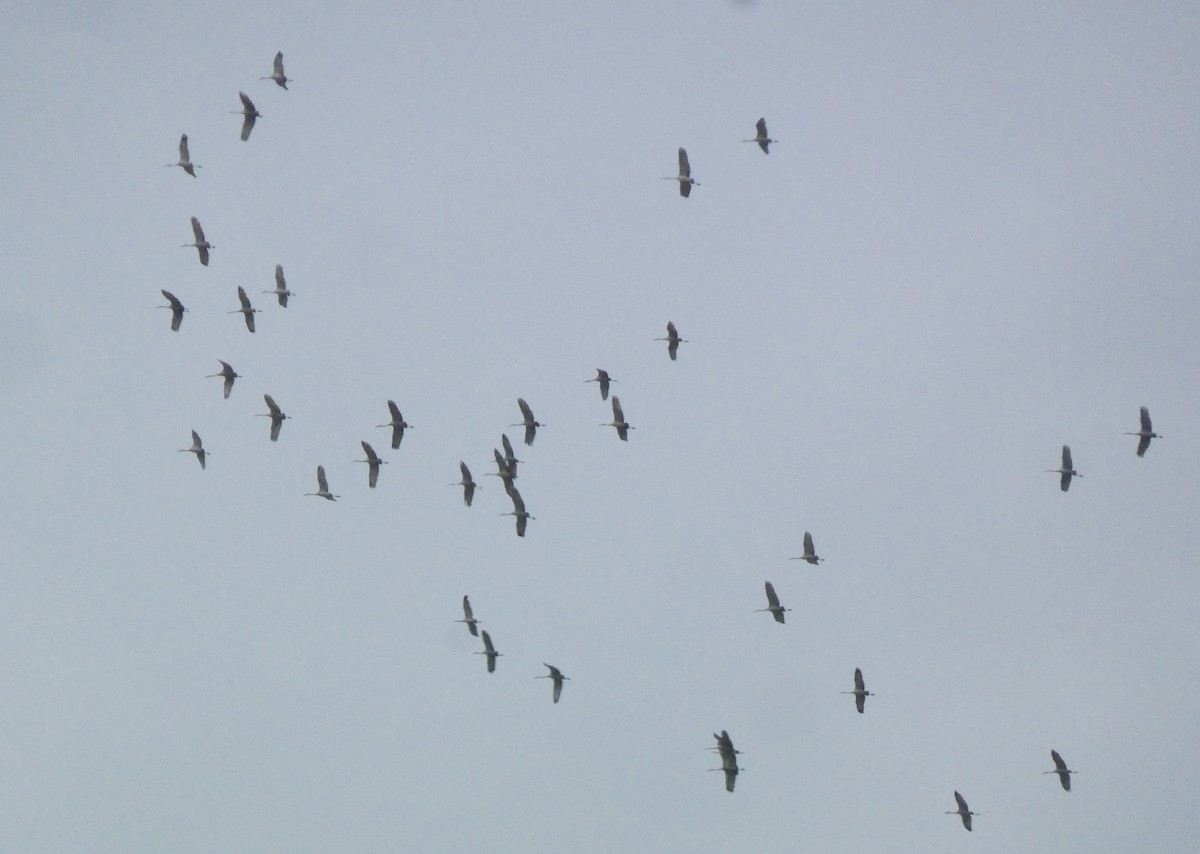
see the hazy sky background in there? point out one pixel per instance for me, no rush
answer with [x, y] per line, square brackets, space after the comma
[975, 242]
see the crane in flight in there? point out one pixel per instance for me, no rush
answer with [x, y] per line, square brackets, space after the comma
[773, 605]
[604, 379]
[963, 811]
[810, 553]
[276, 415]
[249, 114]
[398, 424]
[685, 175]
[860, 691]
[177, 309]
[518, 510]
[558, 678]
[489, 651]
[1067, 470]
[202, 245]
[197, 448]
[281, 290]
[469, 486]
[277, 74]
[1060, 768]
[1145, 434]
[761, 136]
[373, 463]
[729, 756]
[623, 426]
[673, 340]
[469, 617]
[527, 421]
[510, 458]
[247, 311]
[185, 161]
[323, 486]
[229, 375]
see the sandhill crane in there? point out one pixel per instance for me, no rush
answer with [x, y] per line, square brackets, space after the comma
[177, 310]
[518, 511]
[281, 290]
[510, 458]
[250, 114]
[398, 424]
[276, 415]
[489, 651]
[202, 245]
[728, 759]
[860, 691]
[323, 486]
[604, 379]
[277, 75]
[1060, 768]
[623, 426]
[185, 160]
[373, 463]
[1067, 470]
[963, 811]
[226, 372]
[773, 604]
[673, 340]
[685, 175]
[557, 676]
[761, 137]
[1146, 433]
[247, 311]
[469, 616]
[469, 486]
[197, 448]
[810, 554]
[528, 421]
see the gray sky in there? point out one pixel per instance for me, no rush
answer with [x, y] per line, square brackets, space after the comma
[974, 242]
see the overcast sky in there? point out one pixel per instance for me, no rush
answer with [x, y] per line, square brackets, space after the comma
[975, 241]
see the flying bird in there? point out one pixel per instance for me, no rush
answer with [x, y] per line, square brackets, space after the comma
[250, 114]
[528, 423]
[1068, 469]
[177, 310]
[489, 651]
[277, 75]
[509, 457]
[202, 245]
[623, 426]
[281, 291]
[398, 424]
[185, 160]
[673, 340]
[962, 811]
[860, 691]
[373, 463]
[323, 486]
[728, 759]
[226, 372]
[558, 678]
[469, 486]
[685, 175]
[197, 448]
[761, 137]
[276, 415]
[810, 554]
[1060, 768]
[469, 617]
[773, 604]
[604, 379]
[518, 511]
[504, 472]
[247, 311]
[1146, 433]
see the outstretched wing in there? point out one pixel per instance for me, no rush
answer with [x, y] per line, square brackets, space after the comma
[685, 168]
[322, 483]
[184, 157]
[1145, 413]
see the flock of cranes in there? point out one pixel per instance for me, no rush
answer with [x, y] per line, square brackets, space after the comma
[507, 462]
